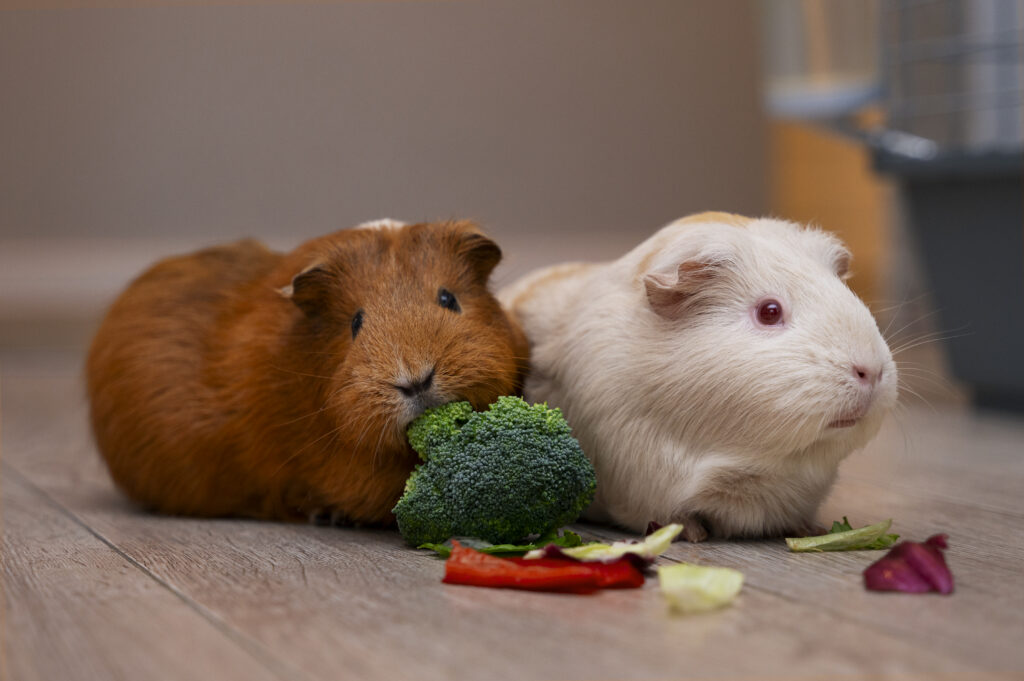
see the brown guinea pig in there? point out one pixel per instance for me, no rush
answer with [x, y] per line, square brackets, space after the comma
[239, 381]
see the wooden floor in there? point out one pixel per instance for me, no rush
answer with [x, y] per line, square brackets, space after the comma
[94, 589]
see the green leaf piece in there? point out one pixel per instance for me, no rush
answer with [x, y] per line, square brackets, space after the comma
[652, 546]
[842, 537]
[567, 539]
[840, 526]
[442, 550]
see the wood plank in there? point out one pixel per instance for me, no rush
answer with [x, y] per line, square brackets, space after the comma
[983, 620]
[360, 600]
[992, 539]
[329, 602]
[967, 487]
[951, 454]
[74, 608]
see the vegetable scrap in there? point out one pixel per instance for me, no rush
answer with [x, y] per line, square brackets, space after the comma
[566, 539]
[698, 588]
[472, 568]
[842, 537]
[643, 552]
[912, 567]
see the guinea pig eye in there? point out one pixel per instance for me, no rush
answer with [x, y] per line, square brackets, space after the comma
[446, 299]
[769, 312]
[357, 323]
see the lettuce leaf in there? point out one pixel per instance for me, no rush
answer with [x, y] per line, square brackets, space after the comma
[842, 537]
[645, 551]
[698, 588]
[566, 539]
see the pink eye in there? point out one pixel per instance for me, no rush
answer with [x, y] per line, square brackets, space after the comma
[769, 312]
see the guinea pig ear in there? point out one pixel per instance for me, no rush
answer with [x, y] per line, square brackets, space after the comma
[309, 289]
[841, 264]
[480, 253]
[670, 293]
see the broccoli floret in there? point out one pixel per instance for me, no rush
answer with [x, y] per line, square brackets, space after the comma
[500, 475]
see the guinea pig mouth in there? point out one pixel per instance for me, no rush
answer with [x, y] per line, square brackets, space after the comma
[421, 403]
[849, 420]
[411, 407]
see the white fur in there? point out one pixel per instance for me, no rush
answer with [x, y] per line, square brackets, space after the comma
[383, 223]
[709, 416]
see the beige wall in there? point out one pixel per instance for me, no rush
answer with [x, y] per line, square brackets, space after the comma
[570, 128]
[294, 119]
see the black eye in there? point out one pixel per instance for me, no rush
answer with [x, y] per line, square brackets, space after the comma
[446, 299]
[769, 313]
[357, 323]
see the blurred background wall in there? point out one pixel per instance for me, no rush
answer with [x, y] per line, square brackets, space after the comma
[132, 132]
[570, 129]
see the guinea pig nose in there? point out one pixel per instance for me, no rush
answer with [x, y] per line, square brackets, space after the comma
[413, 387]
[867, 375]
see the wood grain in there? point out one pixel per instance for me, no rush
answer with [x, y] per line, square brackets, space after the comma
[78, 609]
[324, 603]
[321, 598]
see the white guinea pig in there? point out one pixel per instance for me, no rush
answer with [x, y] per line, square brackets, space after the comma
[715, 375]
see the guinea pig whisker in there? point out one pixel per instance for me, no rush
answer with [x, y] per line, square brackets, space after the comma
[933, 337]
[334, 438]
[907, 389]
[936, 384]
[366, 428]
[327, 353]
[320, 410]
[899, 414]
[301, 418]
[914, 339]
[891, 305]
[296, 454]
[906, 363]
[894, 338]
[376, 451]
[489, 383]
[892, 320]
[299, 373]
[899, 309]
[923, 374]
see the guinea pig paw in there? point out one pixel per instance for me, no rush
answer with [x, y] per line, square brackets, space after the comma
[320, 516]
[340, 519]
[327, 517]
[807, 528]
[693, 529]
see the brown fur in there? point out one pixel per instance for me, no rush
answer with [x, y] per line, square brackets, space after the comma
[223, 384]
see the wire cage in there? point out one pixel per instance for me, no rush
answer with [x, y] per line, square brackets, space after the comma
[953, 91]
[953, 72]
[947, 78]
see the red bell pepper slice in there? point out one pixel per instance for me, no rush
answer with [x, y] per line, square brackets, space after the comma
[470, 567]
[620, 574]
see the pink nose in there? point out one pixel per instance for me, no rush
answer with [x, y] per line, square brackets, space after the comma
[868, 376]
